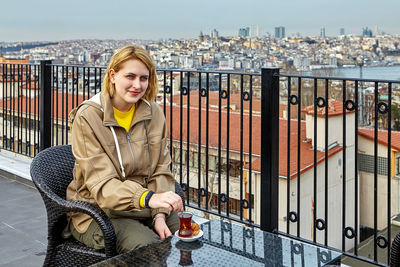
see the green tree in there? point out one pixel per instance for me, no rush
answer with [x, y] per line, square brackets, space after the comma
[396, 116]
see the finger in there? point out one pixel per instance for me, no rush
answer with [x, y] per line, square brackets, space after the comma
[167, 232]
[162, 234]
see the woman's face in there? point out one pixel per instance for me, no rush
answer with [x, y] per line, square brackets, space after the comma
[131, 83]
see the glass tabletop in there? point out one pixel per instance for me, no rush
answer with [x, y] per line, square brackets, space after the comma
[227, 244]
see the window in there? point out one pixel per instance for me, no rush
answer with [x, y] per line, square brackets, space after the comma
[398, 166]
[366, 164]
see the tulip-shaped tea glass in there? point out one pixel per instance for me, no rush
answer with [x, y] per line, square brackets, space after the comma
[185, 220]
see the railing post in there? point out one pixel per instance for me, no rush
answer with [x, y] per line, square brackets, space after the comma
[269, 149]
[45, 104]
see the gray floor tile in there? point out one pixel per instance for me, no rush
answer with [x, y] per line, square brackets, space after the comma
[23, 225]
[34, 260]
[17, 245]
[14, 191]
[35, 228]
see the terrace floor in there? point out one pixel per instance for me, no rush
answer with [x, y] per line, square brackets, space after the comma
[23, 220]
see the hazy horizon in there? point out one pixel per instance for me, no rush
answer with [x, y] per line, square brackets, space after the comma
[49, 20]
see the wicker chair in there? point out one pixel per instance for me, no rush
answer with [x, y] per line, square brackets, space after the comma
[51, 172]
[395, 251]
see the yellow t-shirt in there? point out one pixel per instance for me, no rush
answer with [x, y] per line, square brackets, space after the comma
[124, 119]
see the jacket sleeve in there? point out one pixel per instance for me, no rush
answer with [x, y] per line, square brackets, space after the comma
[97, 173]
[162, 179]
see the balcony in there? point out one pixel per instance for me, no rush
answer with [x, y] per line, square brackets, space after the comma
[313, 158]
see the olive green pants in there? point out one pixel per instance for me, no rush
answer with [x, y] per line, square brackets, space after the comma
[132, 230]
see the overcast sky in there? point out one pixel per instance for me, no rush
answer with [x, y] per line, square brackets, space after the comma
[27, 20]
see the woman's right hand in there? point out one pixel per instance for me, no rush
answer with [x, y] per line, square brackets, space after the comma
[168, 200]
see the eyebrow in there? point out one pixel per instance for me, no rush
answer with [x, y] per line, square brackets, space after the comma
[131, 73]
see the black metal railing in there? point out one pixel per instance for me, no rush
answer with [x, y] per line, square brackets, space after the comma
[290, 154]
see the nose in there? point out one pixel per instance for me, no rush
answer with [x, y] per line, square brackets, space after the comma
[136, 83]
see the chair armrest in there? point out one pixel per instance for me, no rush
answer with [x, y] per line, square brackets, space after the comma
[395, 251]
[100, 218]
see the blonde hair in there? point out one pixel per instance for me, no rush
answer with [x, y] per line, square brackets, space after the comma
[127, 53]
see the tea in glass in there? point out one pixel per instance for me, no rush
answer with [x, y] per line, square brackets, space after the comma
[185, 220]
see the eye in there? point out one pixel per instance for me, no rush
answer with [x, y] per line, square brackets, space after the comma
[144, 78]
[130, 76]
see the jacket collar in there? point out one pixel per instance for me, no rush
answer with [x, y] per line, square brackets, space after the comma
[142, 110]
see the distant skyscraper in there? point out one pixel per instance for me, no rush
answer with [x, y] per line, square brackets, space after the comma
[341, 31]
[214, 34]
[323, 34]
[280, 32]
[244, 32]
[366, 32]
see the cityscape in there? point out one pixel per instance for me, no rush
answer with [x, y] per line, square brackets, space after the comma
[245, 52]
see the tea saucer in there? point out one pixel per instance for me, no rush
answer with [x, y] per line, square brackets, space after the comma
[189, 239]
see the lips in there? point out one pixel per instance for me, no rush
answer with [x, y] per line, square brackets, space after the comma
[134, 93]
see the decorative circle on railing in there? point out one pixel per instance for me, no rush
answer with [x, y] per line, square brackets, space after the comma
[12, 139]
[55, 79]
[383, 108]
[350, 105]
[320, 101]
[227, 227]
[293, 99]
[184, 91]
[64, 80]
[246, 96]
[248, 233]
[244, 203]
[320, 224]
[292, 216]
[323, 257]
[97, 83]
[86, 82]
[224, 94]
[36, 146]
[19, 141]
[167, 89]
[222, 198]
[184, 187]
[349, 232]
[202, 192]
[37, 78]
[28, 143]
[297, 248]
[381, 241]
[75, 80]
[203, 92]
[19, 77]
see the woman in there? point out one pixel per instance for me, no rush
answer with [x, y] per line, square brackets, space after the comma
[122, 159]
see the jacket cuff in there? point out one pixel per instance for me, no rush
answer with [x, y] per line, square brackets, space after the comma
[136, 197]
[160, 210]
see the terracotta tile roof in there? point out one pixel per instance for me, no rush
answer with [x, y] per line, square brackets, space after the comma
[335, 108]
[26, 104]
[235, 102]
[213, 99]
[369, 133]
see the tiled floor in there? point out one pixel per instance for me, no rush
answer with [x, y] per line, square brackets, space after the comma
[23, 225]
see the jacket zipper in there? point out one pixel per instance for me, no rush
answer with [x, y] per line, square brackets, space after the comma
[130, 149]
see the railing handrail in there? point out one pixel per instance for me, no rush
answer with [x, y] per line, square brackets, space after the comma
[335, 78]
[22, 64]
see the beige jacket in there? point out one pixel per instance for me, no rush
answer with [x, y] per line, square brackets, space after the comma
[113, 167]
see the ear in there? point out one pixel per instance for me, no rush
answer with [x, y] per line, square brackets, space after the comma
[111, 74]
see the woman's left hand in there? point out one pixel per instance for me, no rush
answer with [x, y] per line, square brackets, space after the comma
[161, 227]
